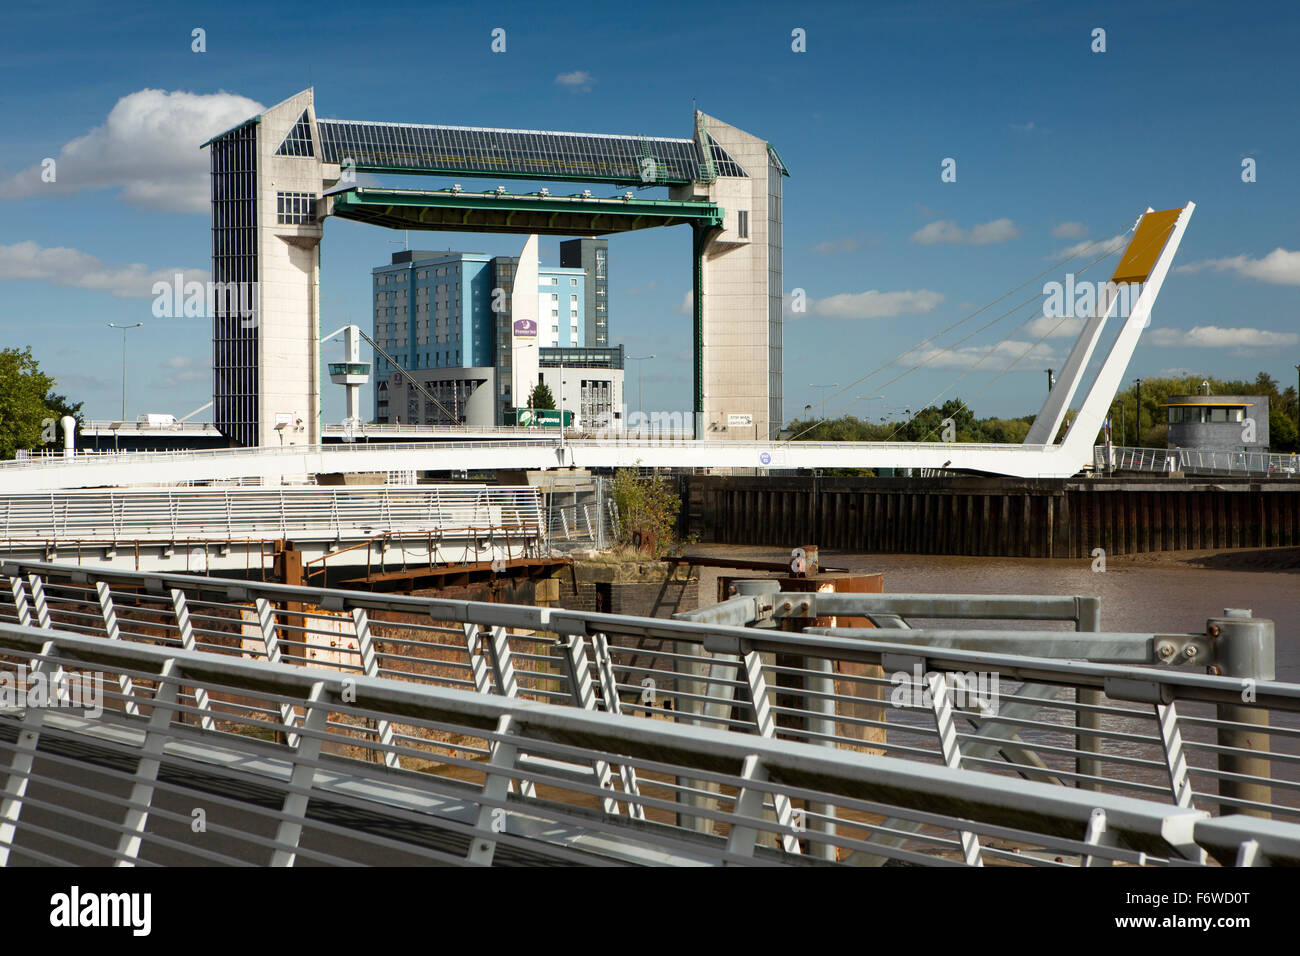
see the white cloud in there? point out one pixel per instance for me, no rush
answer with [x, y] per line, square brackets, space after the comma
[832, 246]
[1092, 247]
[1279, 267]
[1054, 328]
[1027, 356]
[942, 230]
[688, 303]
[873, 304]
[1024, 127]
[186, 370]
[1213, 337]
[1069, 230]
[81, 270]
[946, 230]
[148, 146]
[999, 230]
[579, 81]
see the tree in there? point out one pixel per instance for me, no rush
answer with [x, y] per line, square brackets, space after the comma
[541, 397]
[647, 510]
[29, 410]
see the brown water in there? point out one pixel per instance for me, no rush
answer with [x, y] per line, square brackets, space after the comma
[1150, 594]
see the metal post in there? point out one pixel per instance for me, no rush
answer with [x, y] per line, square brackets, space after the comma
[146, 774]
[498, 784]
[370, 666]
[1180, 784]
[306, 751]
[266, 622]
[609, 691]
[1089, 619]
[24, 758]
[583, 692]
[945, 724]
[113, 633]
[1245, 648]
[186, 629]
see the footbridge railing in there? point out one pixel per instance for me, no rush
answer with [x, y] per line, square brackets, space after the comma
[497, 780]
[1002, 708]
[315, 513]
[1196, 461]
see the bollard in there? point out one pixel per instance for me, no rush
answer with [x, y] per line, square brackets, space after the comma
[1244, 647]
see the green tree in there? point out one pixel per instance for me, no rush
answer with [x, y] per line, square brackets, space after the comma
[541, 397]
[646, 507]
[29, 409]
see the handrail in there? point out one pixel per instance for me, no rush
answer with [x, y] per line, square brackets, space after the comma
[575, 749]
[1184, 734]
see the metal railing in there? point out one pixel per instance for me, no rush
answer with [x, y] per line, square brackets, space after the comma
[1196, 461]
[305, 513]
[357, 432]
[266, 451]
[176, 768]
[110, 425]
[581, 516]
[1134, 721]
[628, 441]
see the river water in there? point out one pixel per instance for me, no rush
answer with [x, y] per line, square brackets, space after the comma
[1155, 593]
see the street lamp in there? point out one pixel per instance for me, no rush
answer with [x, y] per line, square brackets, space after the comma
[124, 329]
[563, 382]
[823, 388]
[868, 398]
[1138, 382]
[639, 358]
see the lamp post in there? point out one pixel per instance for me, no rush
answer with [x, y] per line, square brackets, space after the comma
[1138, 383]
[124, 329]
[868, 398]
[823, 388]
[639, 358]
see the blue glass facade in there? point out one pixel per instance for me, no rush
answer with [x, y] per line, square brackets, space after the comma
[434, 310]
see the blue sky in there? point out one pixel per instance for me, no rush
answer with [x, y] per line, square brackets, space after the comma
[1054, 144]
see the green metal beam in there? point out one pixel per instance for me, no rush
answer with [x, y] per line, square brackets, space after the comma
[445, 210]
[699, 240]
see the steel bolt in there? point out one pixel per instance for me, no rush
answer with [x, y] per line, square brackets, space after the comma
[1165, 651]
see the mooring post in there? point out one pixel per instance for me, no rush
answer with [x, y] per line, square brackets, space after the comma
[1245, 647]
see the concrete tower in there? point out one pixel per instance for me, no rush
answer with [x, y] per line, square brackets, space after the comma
[267, 177]
[737, 295]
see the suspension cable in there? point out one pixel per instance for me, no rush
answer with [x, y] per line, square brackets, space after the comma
[1050, 269]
